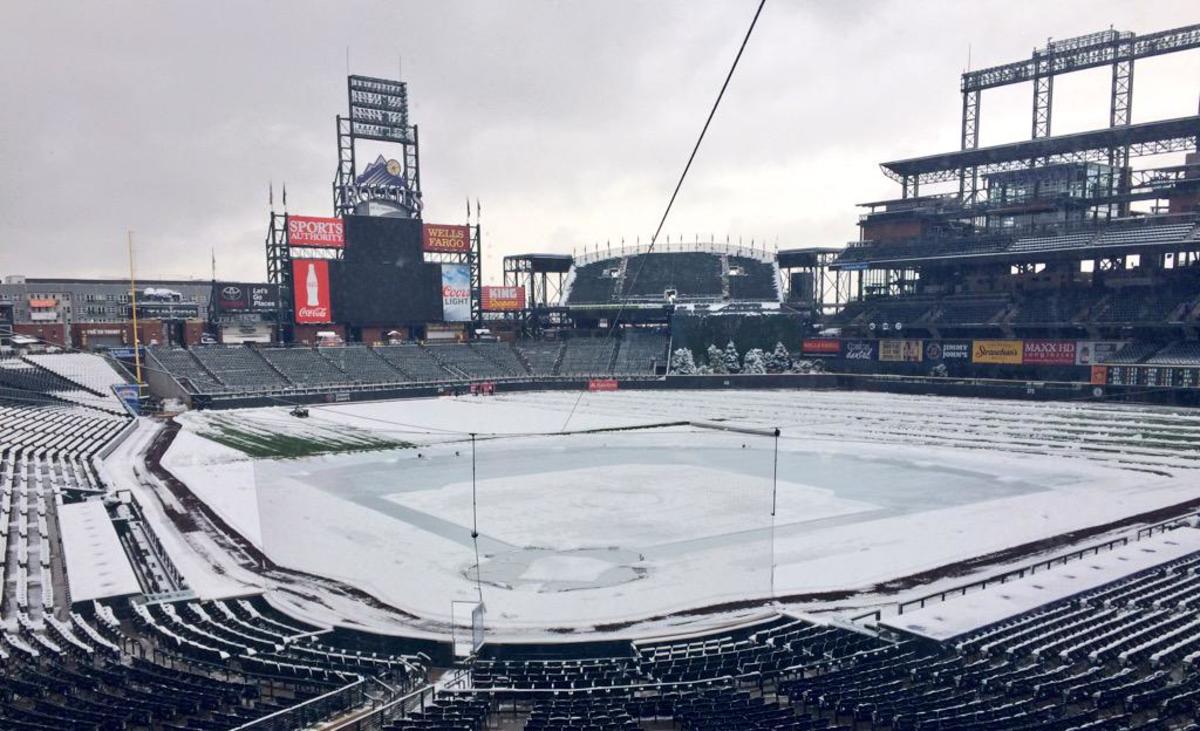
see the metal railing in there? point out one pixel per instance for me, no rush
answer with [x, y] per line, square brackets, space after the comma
[311, 711]
[381, 714]
[749, 251]
[1023, 571]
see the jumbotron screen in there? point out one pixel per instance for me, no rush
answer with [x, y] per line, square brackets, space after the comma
[383, 279]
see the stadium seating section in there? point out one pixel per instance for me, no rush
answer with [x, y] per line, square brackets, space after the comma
[249, 370]
[691, 276]
[1120, 656]
[135, 664]
[1149, 232]
[1141, 306]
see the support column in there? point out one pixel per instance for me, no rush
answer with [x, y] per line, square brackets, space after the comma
[968, 184]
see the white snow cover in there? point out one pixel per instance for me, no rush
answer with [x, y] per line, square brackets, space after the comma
[586, 529]
[97, 567]
[960, 615]
[88, 370]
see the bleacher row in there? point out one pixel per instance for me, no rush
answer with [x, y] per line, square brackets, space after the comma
[218, 369]
[161, 666]
[91, 672]
[76, 378]
[45, 458]
[692, 276]
[1122, 656]
[1143, 305]
[1144, 233]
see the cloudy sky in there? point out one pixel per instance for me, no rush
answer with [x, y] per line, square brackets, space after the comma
[569, 121]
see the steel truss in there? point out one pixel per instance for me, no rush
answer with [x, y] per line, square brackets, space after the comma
[377, 111]
[279, 263]
[543, 277]
[1110, 47]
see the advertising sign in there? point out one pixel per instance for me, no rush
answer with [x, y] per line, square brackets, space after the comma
[316, 231]
[1049, 352]
[1099, 375]
[821, 346]
[310, 289]
[456, 293]
[233, 298]
[860, 350]
[503, 299]
[128, 393]
[603, 384]
[948, 350]
[997, 351]
[908, 351]
[440, 239]
[1090, 352]
[165, 310]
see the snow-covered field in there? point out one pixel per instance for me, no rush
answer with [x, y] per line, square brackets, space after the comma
[599, 528]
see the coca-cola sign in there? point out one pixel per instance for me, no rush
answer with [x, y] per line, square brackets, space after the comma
[310, 291]
[316, 231]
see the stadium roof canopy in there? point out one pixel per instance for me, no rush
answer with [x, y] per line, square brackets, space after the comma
[1147, 138]
[546, 262]
[808, 256]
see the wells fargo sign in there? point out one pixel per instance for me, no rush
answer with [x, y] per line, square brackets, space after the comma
[440, 239]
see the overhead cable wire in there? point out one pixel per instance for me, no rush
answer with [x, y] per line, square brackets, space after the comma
[675, 193]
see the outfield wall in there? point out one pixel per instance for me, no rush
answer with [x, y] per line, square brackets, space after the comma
[901, 384]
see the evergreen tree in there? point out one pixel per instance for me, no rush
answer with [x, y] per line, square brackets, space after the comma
[716, 360]
[754, 363]
[779, 360]
[683, 363]
[733, 362]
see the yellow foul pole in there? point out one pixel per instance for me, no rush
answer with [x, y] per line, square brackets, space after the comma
[137, 351]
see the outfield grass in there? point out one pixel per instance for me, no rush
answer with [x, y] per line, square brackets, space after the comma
[278, 445]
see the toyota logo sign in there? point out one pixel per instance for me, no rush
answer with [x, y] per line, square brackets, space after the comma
[231, 293]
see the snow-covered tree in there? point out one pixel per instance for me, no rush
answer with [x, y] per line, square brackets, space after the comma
[716, 360]
[733, 362]
[683, 363]
[808, 366]
[779, 360]
[754, 363]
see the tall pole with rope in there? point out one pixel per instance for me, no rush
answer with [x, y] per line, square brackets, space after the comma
[774, 504]
[137, 351]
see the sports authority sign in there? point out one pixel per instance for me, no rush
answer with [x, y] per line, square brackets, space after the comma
[503, 299]
[310, 289]
[316, 231]
[440, 239]
[1049, 352]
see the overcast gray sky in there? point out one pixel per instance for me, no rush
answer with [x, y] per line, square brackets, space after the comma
[569, 121]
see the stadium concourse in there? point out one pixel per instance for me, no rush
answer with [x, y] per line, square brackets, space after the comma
[131, 600]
